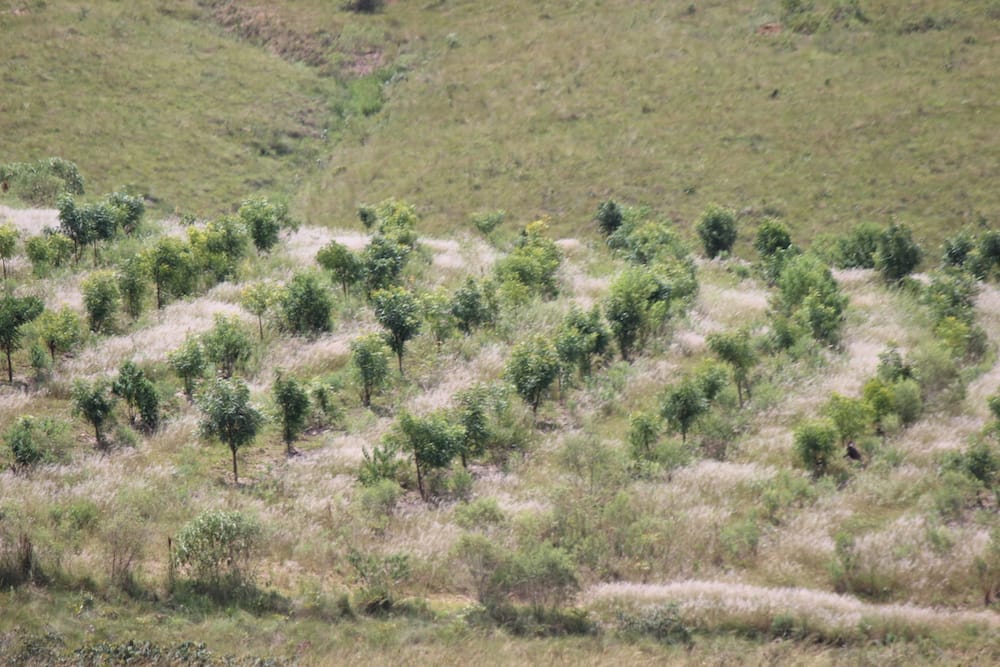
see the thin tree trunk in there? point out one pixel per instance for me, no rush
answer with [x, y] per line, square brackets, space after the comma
[236, 479]
[10, 368]
[420, 479]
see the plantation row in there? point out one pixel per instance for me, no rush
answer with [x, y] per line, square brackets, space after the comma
[656, 286]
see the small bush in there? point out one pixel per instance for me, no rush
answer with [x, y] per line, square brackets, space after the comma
[717, 229]
[380, 577]
[480, 513]
[816, 445]
[662, 623]
[218, 549]
[488, 221]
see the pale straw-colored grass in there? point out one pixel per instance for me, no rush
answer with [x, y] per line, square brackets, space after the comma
[152, 343]
[29, 221]
[711, 604]
[902, 552]
[799, 549]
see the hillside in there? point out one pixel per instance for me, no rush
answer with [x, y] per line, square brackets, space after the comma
[523, 483]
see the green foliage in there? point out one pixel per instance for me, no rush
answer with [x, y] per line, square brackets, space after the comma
[228, 416]
[811, 298]
[305, 305]
[345, 267]
[227, 345]
[379, 577]
[533, 262]
[980, 461]
[435, 308]
[736, 349]
[8, 244]
[683, 404]
[172, 269]
[15, 312]
[40, 183]
[609, 217]
[50, 249]
[487, 221]
[257, 298]
[898, 254]
[662, 624]
[189, 363]
[637, 302]
[772, 237]
[381, 463]
[907, 401]
[472, 407]
[59, 330]
[643, 432]
[218, 548]
[397, 311]
[857, 248]
[88, 224]
[101, 298]
[24, 440]
[850, 416]
[544, 575]
[139, 394]
[264, 220]
[434, 440]
[532, 368]
[956, 249]
[94, 402]
[815, 444]
[382, 261]
[582, 337]
[370, 359]
[480, 514]
[717, 230]
[133, 284]
[472, 307]
[217, 248]
[293, 408]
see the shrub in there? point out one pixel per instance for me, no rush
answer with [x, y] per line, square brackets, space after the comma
[433, 439]
[172, 268]
[898, 254]
[397, 310]
[370, 359]
[609, 217]
[305, 306]
[637, 302]
[345, 267]
[662, 623]
[809, 295]
[59, 330]
[380, 464]
[543, 575]
[293, 408]
[472, 307]
[488, 221]
[857, 248]
[93, 402]
[717, 229]
[217, 549]
[40, 183]
[264, 220]
[815, 444]
[188, 362]
[380, 577]
[532, 368]
[533, 262]
[100, 298]
[228, 415]
[481, 513]
[581, 338]
[227, 345]
[772, 237]
[139, 395]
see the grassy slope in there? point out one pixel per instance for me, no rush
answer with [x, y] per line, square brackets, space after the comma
[312, 506]
[549, 110]
[157, 97]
